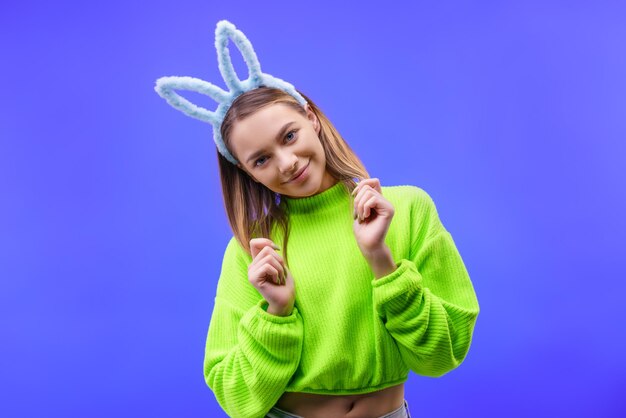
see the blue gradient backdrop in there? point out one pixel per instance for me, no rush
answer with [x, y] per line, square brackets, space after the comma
[511, 115]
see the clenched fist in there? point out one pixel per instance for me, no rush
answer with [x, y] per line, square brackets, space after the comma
[269, 275]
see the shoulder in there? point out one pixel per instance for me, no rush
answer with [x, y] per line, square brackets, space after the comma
[235, 252]
[413, 196]
[418, 207]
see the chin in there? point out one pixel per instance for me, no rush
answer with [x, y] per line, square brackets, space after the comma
[311, 187]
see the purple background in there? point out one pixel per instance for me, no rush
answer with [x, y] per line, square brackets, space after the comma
[511, 116]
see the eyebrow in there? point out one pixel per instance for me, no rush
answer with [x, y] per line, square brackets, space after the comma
[278, 136]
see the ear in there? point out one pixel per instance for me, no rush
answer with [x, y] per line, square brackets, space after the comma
[311, 116]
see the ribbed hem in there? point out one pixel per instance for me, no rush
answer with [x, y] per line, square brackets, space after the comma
[329, 198]
[348, 391]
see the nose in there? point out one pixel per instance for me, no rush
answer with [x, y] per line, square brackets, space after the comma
[288, 163]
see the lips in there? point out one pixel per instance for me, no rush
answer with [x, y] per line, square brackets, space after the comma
[299, 172]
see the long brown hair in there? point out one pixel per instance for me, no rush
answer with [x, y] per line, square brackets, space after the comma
[251, 207]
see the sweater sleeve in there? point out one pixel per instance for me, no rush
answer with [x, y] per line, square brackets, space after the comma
[428, 303]
[250, 355]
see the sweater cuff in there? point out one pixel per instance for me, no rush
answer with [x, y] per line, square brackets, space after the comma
[270, 328]
[397, 286]
[260, 309]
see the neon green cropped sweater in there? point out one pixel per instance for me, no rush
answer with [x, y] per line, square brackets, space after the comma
[349, 333]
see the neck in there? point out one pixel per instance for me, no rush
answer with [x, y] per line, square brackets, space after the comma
[331, 197]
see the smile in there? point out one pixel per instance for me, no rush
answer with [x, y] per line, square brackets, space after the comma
[302, 175]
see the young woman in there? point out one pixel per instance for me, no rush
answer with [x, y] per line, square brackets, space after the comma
[331, 289]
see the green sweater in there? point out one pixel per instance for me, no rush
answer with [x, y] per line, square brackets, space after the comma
[349, 333]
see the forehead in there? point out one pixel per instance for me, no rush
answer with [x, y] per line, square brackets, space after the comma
[260, 128]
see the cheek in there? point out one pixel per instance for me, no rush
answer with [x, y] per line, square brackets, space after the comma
[321, 156]
[317, 148]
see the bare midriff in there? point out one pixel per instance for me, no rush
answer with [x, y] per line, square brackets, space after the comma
[373, 404]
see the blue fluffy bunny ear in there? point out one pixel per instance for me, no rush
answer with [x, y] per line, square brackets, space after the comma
[223, 31]
[165, 87]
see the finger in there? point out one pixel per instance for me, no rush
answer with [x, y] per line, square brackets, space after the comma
[266, 273]
[364, 195]
[372, 182]
[257, 244]
[270, 251]
[264, 248]
[267, 254]
[277, 264]
[357, 200]
[271, 274]
[370, 204]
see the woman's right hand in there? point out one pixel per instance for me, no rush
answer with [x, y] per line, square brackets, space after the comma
[269, 275]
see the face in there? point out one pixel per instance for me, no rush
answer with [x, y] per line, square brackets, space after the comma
[275, 143]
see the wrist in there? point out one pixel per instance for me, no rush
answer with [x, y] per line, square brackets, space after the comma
[279, 311]
[381, 261]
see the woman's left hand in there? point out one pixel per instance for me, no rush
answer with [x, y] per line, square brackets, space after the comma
[373, 214]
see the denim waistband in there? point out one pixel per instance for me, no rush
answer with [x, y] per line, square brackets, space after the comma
[402, 412]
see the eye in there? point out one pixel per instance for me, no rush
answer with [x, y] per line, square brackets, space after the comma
[292, 132]
[257, 161]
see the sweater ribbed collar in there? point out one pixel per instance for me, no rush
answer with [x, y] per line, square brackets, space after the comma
[329, 198]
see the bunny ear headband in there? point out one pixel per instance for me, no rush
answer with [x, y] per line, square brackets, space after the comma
[165, 85]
